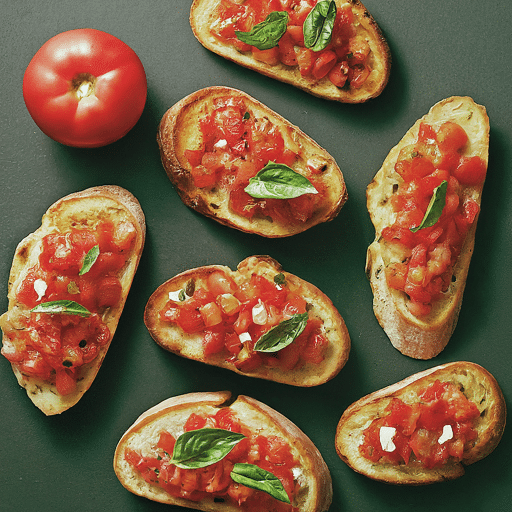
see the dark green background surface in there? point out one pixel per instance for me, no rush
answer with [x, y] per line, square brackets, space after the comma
[440, 48]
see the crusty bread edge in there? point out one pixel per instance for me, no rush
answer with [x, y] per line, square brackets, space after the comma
[315, 470]
[480, 386]
[171, 338]
[421, 338]
[201, 12]
[171, 131]
[42, 393]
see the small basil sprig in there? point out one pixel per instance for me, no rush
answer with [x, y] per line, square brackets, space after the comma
[66, 307]
[282, 334]
[89, 260]
[435, 207]
[266, 35]
[319, 25]
[203, 447]
[278, 181]
[256, 478]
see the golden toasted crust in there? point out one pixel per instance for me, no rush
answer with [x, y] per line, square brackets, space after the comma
[172, 338]
[477, 384]
[202, 17]
[85, 208]
[171, 414]
[179, 130]
[426, 337]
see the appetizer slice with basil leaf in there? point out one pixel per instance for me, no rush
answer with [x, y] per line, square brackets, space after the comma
[233, 159]
[201, 449]
[329, 48]
[258, 321]
[68, 284]
[424, 203]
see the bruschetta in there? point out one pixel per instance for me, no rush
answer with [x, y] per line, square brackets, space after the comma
[331, 49]
[208, 451]
[424, 203]
[426, 428]
[236, 161]
[67, 288]
[258, 321]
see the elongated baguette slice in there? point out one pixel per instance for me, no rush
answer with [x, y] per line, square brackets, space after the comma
[318, 306]
[312, 474]
[84, 209]
[204, 20]
[423, 337]
[180, 131]
[478, 386]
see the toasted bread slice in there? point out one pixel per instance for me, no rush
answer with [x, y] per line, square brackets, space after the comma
[179, 131]
[423, 337]
[312, 475]
[319, 307]
[204, 18]
[83, 209]
[476, 383]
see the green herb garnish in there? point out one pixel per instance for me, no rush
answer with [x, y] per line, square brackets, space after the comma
[319, 25]
[203, 447]
[282, 334]
[266, 35]
[278, 181]
[256, 478]
[435, 207]
[89, 260]
[66, 307]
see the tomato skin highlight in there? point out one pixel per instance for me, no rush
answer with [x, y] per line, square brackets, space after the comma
[85, 88]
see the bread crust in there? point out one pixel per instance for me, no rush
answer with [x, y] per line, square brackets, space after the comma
[426, 337]
[173, 339]
[477, 384]
[83, 208]
[179, 130]
[202, 15]
[171, 414]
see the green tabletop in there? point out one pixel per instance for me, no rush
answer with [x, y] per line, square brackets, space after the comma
[440, 48]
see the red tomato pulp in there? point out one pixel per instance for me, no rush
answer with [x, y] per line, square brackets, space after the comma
[54, 347]
[270, 453]
[85, 88]
[437, 427]
[231, 319]
[235, 147]
[345, 60]
[428, 255]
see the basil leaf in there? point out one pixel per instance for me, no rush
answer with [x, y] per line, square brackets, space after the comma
[89, 260]
[319, 25]
[282, 334]
[279, 279]
[278, 181]
[256, 478]
[203, 447]
[266, 35]
[66, 307]
[435, 207]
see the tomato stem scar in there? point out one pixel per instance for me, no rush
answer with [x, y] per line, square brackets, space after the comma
[83, 85]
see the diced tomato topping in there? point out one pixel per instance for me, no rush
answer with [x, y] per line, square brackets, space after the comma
[231, 323]
[270, 453]
[435, 158]
[55, 346]
[433, 429]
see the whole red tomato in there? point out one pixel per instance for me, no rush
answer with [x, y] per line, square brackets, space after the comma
[85, 88]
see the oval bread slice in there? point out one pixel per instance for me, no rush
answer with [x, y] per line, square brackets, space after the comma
[172, 338]
[179, 130]
[85, 208]
[425, 337]
[315, 480]
[202, 17]
[477, 384]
